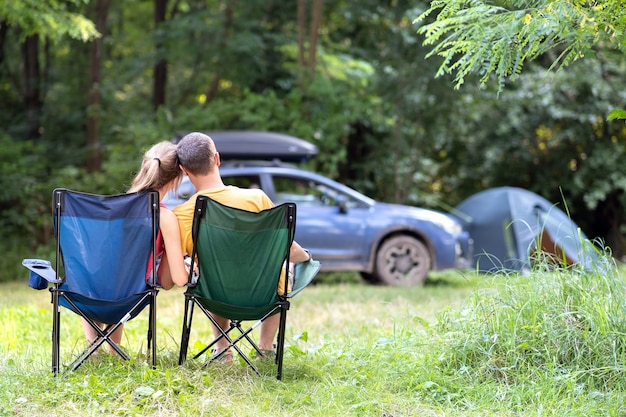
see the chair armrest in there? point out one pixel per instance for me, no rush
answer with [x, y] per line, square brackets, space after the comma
[41, 273]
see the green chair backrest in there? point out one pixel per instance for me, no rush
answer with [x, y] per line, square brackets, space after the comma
[240, 254]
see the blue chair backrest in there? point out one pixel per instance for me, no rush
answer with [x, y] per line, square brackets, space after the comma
[105, 242]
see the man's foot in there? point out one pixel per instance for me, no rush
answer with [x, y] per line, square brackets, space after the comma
[225, 357]
[266, 354]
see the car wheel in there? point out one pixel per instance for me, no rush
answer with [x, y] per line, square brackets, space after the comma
[402, 261]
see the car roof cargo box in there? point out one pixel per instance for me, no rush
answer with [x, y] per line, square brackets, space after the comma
[254, 145]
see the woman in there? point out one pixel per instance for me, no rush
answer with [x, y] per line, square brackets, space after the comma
[160, 172]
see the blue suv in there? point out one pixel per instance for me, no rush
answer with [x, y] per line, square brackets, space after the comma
[389, 244]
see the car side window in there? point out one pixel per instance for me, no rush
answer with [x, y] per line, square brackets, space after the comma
[307, 192]
[243, 181]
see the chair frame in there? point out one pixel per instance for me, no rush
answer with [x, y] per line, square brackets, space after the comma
[281, 306]
[103, 336]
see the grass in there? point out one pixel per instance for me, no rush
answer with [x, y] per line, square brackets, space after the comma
[552, 344]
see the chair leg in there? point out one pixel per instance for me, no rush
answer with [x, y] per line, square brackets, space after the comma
[280, 343]
[152, 327]
[105, 335]
[56, 340]
[223, 335]
[85, 354]
[184, 340]
[244, 334]
[190, 304]
[149, 333]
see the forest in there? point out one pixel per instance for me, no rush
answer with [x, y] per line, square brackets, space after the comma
[86, 86]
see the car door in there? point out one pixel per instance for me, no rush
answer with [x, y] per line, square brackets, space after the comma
[330, 223]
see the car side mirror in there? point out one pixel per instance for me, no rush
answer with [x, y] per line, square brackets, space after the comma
[341, 204]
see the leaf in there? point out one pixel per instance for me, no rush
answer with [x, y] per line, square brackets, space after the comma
[616, 114]
[479, 36]
[304, 336]
[144, 391]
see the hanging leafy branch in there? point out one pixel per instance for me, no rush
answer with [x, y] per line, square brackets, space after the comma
[499, 37]
[53, 18]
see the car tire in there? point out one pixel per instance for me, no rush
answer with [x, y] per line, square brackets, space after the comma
[370, 278]
[402, 261]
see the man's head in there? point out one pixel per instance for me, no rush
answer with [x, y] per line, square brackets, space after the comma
[197, 154]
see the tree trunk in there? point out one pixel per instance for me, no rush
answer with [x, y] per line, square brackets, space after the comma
[96, 52]
[47, 63]
[160, 69]
[4, 28]
[316, 23]
[32, 85]
[301, 35]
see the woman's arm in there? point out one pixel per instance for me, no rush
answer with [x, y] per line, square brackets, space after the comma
[172, 269]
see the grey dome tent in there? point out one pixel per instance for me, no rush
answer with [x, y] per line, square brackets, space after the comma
[510, 225]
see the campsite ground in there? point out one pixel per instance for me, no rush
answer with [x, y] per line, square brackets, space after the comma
[353, 349]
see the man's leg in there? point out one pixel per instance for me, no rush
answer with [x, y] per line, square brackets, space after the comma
[224, 324]
[269, 328]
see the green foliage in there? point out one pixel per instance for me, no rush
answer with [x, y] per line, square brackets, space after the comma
[22, 174]
[28, 175]
[53, 19]
[547, 133]
[499, 38]
[321, 114]
[24, 202]
[617, 114]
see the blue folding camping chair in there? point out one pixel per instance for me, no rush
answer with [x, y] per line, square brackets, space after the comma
[104, 247]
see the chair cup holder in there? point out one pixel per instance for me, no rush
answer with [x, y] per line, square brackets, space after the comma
[41, 273]
[37, 282]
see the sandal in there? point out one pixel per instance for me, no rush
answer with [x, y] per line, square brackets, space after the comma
[266, 354]
[223, 357]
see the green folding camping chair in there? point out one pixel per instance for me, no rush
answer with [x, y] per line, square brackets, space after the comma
[240, 256]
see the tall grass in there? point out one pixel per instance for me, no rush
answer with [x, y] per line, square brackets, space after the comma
[553, 336]
[550, 344]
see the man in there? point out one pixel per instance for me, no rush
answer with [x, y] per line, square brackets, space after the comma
[200, 160]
